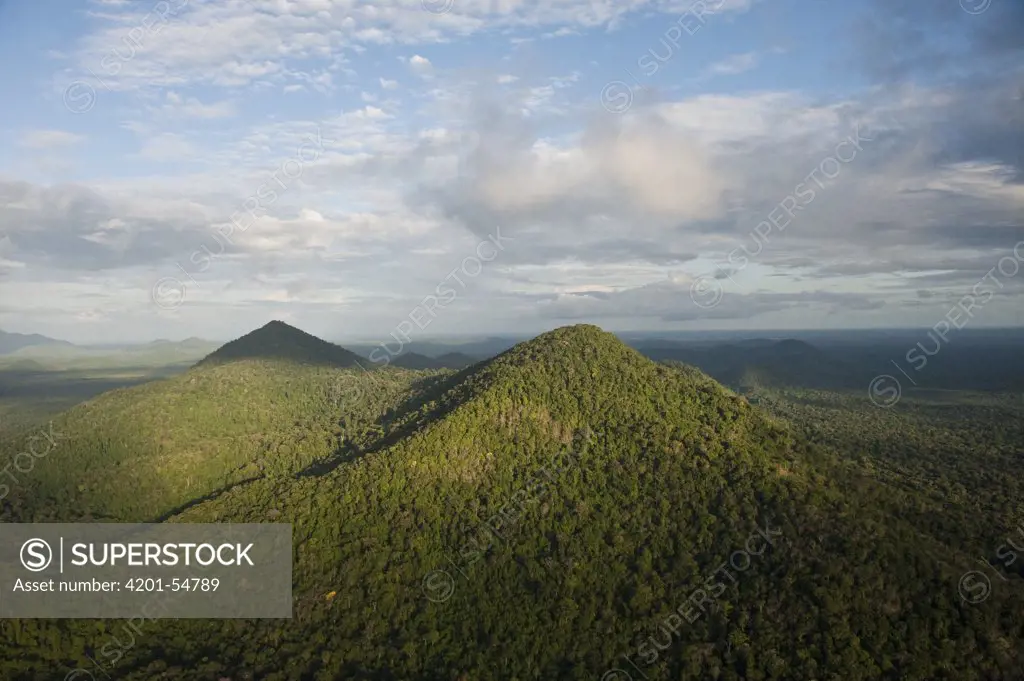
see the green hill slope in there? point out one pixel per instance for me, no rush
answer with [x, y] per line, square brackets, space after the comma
[250, 410]
[566, 506]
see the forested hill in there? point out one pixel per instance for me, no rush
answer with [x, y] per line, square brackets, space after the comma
[555, 512]
[280, 341]
[271, 403]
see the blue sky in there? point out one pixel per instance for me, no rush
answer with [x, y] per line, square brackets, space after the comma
[195, 168]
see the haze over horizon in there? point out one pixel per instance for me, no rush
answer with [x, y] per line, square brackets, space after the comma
[412, 340]
[630, 165]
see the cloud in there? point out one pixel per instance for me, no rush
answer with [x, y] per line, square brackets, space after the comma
[191, 107]
[669, 300]
[641, 172]
[229, 44]
[72, 227]
[610, 217]
[420, 65]
[646, 176]
[897, 42]
[738, 63]
[601, 217]
[48, 139]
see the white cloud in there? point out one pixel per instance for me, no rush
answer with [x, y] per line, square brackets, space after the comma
[229, 44]
[48, 139]
[405, 186]
[738, 63]
[645, 164]
[420, 65]
[191, 107]
[372, 113]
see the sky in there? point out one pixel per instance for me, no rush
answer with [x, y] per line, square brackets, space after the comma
[184, 168]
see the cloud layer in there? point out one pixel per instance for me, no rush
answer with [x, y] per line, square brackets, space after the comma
[217, 164]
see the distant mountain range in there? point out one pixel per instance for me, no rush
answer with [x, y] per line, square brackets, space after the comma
[11, 342]
[450, 360]
[478, 348]
[36, 344]
[754, 361]
[978, 359]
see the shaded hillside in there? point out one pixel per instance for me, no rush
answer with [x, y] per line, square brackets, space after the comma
[543, 514]
[277, 340]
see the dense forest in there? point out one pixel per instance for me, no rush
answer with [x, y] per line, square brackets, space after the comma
[549, 513]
